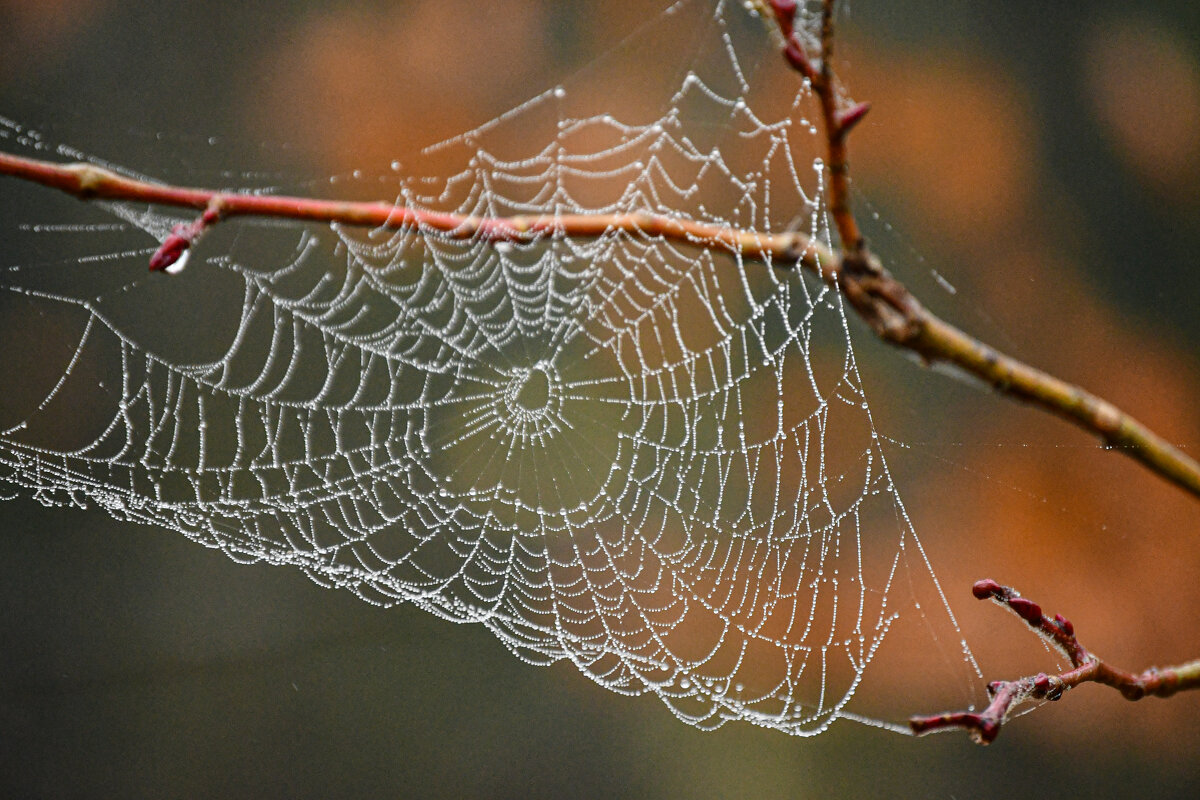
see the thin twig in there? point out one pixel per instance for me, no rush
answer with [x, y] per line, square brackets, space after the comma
[875, 295]
[838, 117]
[984, 726]
[87, 181]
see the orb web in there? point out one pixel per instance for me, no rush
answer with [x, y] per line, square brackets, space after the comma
[652, 459]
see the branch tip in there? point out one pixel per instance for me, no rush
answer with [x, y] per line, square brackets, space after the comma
[796, 55]
[171, 250]
[986, 588]
[171, 254]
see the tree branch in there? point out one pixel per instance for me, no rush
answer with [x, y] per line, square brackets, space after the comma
[87, 181]
[984, 726]
[883, 302]
[897, 317]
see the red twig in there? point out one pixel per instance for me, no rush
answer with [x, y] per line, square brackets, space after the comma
[87, 181]
[839, 117]
[1086, 667]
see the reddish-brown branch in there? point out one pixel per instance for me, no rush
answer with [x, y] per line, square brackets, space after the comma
[87, 181]
[984, 726]
[838, 117]
[898, 318]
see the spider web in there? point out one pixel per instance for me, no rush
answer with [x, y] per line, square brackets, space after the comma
[654, 460]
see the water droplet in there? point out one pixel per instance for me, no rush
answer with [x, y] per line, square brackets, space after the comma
[178, 265]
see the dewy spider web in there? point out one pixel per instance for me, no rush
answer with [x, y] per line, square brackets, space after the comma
[653, 460]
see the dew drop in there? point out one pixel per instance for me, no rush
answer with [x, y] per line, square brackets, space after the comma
[178, 265]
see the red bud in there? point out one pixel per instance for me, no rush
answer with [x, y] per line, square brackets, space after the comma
[986, 588]
[1027, 610]
[171, 250]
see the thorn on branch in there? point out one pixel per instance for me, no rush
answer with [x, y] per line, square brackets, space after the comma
[847, 118]
[171, 255]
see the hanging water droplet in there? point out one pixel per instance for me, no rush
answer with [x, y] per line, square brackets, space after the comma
[179, 264]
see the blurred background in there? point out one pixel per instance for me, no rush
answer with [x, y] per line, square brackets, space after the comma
[1041, 160]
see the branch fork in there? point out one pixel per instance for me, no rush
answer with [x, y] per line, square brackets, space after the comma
[1005, 696]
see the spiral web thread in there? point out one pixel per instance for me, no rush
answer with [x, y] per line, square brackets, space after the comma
[654, 460]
